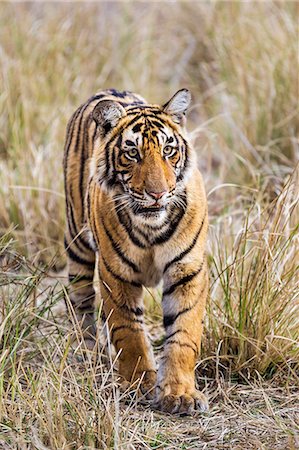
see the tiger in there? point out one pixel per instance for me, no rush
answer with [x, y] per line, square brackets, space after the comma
[136, 213]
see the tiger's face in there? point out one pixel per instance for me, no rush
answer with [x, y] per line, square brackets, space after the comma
[144, 158]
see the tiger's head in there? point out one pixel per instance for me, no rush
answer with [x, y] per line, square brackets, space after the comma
[142, 155]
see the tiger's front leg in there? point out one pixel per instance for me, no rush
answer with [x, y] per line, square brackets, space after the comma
[123, 308]
[184, 298]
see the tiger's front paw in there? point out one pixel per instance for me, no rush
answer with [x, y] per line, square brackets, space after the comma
[144, 383]
[148, 384]
[179, 400]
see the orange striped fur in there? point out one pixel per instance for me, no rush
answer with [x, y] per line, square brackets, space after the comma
[135, 196]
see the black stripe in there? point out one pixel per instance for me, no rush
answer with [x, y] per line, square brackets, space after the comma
[129, 310]
[182, 345]
[124, 327]
[188, 249]
[181, 331]
[84, 303]
[86, 309]
[127, 179]
[143, 233]
[173, 225]
[137, 209]
[118, 341]
[74, 257]
[80, 277]
[95, 131]
[137, 311]
[182, 281]
[137, 128]
[118, 277]
[186, 163]
[127, 104]
[92, 224]
[118, 250]
[122, 128]
[157, 227]
[118, 145]
[70, 219]
[78, 138]
[152, 117]
[76, 237]
[123, 172]
[169, 320]
[69, 133]
[118, 94]
[71, 126]
[113, 179]
[110, 161]
[107, 161]
[82, 167]
[144, 110]
[174, 333]
[128, 227]
[158, 116]
[96, 97]
[70, 202]
[157, 123]
[130, 143]
[88, 198]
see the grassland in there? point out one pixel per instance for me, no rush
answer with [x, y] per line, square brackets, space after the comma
[240, 61]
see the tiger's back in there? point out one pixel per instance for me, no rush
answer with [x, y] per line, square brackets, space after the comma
[134, 194]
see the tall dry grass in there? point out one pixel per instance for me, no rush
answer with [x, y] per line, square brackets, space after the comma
[240, 60]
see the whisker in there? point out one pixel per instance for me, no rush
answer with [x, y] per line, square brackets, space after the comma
[122, 206]
[179, 202]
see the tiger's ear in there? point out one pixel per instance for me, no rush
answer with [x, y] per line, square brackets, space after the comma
[107, 114]
[177, 106]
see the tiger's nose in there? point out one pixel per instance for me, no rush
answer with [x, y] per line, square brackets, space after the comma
[157, 195]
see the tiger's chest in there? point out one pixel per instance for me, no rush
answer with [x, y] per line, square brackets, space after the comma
[158, 248]
[137, 252]
[151, 271]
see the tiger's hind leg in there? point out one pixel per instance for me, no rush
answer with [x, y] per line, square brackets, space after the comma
[81, 264]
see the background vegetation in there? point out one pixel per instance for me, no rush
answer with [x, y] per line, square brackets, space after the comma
[240, 61]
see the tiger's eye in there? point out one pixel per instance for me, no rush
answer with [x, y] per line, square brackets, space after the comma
[168, 150]
[132, 154]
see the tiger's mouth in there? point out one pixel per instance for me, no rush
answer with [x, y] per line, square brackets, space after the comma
[145, 209]
[151, 209]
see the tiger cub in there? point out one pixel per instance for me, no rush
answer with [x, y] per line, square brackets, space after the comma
[135, 196]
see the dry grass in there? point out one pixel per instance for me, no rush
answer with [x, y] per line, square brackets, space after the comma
[240, 62]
